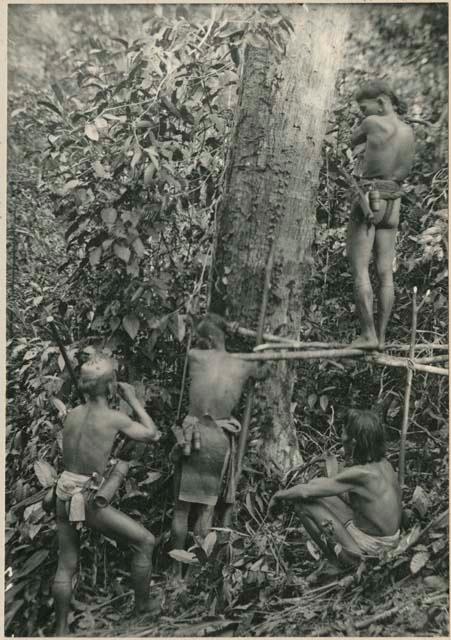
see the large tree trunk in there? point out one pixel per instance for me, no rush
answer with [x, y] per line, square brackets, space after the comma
[269, 196]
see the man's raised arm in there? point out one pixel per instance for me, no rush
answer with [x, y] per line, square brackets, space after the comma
[145, 430]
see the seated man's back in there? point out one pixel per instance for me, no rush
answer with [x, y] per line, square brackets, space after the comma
[376, 500]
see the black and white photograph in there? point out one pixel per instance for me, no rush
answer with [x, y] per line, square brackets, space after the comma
[226, 311]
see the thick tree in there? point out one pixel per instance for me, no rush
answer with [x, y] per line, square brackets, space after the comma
[265, 223]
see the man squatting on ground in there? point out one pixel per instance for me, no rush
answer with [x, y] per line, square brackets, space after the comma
[88, 436]
[363, 502]
[206, 441]
[387, 161]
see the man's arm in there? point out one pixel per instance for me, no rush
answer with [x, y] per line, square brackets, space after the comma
[353, 479]
[145, 430]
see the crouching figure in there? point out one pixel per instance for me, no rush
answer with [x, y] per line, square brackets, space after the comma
[362, 502]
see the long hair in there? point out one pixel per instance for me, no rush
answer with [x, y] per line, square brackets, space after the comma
[375, 88]
[367, 430]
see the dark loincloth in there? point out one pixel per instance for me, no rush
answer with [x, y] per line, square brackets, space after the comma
[209, 472]
[389, 191]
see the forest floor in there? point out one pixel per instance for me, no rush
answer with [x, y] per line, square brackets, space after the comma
[387, 597]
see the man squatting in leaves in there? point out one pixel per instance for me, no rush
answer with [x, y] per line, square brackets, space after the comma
[206, 442]
[363, 502]
[387, 161]
[88, 436]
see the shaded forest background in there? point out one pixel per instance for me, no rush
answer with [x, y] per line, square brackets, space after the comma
[118, 124]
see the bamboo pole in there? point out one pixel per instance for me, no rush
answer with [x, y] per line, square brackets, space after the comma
[335, 354]
[405, 415]
[342, 345]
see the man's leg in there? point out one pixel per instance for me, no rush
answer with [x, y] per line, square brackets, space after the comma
[385, 252]
[359, 246]
[204, 520]
[117, 525]
[179, 531]
[332, 510]
[68, 545]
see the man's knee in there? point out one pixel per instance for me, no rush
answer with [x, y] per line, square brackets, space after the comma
[385, 276]
[147, 541]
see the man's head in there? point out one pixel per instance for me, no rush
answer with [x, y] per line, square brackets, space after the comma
[363, 436]
[86, 354]
[97, 377]
[377, 98]
[210, 332]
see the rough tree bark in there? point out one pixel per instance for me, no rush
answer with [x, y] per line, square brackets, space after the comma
[269, 196]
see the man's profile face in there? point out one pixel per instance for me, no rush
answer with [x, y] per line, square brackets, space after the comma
[347, 442]
[369, 107]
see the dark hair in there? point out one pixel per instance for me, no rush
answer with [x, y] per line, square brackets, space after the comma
[375, 88]
[95, 376]
[211, 325]
[367, 430]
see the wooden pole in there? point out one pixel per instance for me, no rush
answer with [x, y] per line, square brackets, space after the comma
[405, 416]
[342, 345]
[250, 398]
[335, 354]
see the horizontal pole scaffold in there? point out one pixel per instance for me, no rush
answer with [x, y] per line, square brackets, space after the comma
[283, 342]
[334, 354]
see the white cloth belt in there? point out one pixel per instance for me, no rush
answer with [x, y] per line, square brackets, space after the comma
[69, 489]
[372, 545]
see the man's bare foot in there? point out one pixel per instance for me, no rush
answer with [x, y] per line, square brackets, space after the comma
[381, 345]
[365, 343]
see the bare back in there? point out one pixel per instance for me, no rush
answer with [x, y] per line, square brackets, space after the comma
[376, 499]
[389, 149]
[88, 438]
[217, 381]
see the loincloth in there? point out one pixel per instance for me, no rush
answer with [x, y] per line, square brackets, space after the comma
[72, 489]
[209, 472]
[389, 191]
[371, 545]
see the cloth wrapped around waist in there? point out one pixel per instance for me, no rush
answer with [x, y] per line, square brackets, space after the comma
[388, 189]
[70, 488]
[210, 470]
[372, 545]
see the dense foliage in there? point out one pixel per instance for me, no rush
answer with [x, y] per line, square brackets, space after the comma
[116, 155]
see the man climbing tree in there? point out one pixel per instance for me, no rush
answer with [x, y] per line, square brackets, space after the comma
[267, 212]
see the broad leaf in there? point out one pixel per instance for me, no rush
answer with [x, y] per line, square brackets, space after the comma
[91, 132]
[45, 473]
[109, 215]
[183, 556]
[100, 171]
[33, 562]
[95, 255]
[122, 252]
[418, 561]
[131, 325]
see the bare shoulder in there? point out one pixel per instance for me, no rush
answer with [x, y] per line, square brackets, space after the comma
[373, 124]
[356, 474]
[196, 354]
